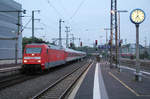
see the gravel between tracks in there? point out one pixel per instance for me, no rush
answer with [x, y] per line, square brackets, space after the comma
[29, 88]
[58, 89]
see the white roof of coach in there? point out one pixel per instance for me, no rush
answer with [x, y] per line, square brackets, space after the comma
[73, 51]
[58, 48]
[54, 47]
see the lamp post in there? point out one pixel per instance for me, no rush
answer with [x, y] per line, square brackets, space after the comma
[18, 32]
[60, 39]
[106, 29]
[117, 43]
[120, 11]
[33, 23]
[67, 36]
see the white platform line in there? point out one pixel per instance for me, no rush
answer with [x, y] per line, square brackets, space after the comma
[9, 68]
[96, 88]
[75, 90]
[103, 91]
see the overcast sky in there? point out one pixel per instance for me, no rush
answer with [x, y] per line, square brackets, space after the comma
[87, 19]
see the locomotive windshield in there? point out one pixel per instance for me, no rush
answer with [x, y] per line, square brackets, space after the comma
[33, 50]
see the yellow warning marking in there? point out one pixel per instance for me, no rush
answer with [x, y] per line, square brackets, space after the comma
[145, 95]
[124, 84]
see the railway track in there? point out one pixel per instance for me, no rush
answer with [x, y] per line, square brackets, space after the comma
[11, 76]
[133, 62]
[145, 65]
[62, 86]
[13, 80]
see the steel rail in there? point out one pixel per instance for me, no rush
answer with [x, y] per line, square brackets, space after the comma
[68, 89]
[38, 95]
[12, 81]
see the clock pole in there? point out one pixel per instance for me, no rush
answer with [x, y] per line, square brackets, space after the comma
[137, 73]
[137, 16]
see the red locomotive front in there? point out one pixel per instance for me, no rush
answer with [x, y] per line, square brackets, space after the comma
[34, 57]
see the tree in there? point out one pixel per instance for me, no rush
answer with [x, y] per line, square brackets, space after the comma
[144, 55]
[26, 40]
[72, 46]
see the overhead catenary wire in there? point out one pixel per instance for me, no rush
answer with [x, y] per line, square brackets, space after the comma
[47, 26]
[26, 24]
[65, 10]
[70, 20]
[61, 16]
[51, 5]
[76, 11]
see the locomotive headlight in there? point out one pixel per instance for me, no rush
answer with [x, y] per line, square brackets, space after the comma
[39, 61]
[25, 61]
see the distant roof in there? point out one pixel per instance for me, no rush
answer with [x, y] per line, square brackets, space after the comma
[132, 45]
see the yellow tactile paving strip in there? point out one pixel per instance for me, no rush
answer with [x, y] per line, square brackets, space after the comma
[125, 85]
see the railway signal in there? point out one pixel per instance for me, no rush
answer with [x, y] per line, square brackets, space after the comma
[80, 44]
[96, 42]
[71, 45]
[109, 43]
[120, 42]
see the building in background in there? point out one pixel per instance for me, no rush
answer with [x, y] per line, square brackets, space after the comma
[8, 29]
[131, 49]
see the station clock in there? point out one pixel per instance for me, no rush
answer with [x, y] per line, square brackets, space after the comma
[137, 16]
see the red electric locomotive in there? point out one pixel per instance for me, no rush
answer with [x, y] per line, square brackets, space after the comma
[42, 56]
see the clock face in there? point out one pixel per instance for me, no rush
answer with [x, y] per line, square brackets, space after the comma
[137, 16]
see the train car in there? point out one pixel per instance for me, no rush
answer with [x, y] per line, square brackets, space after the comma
[42, 56]
[127, 55]
[72, 55]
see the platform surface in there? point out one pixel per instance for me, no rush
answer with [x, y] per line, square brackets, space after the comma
[101, 82]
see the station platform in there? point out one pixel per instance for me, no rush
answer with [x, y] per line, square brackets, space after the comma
[9, 63]
[101, 82]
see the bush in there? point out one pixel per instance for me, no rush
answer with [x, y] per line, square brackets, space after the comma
[144, 55]
[132, 57]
